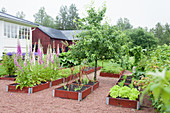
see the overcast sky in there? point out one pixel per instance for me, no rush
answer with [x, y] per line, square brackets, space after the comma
[144, 13]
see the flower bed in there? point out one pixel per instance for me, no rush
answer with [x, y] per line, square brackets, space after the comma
[72, 94]
[8, 78]
[123, 102]
[90, 70]
[12, 88]
[112, 74]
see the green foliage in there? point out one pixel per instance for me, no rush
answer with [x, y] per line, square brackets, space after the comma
[124, 92]
[66, 60]
[162, 32]
[137, 52]
[124, 24]
[160, 87]
[121, 84]
[8, 64]
[67, 72]
[138, 74]
[85, 81]
[141, 37]
[158, 59]
[2, 70]
[112, 68]
[131, 84]
[78, 88]
[43, 18]
[66, 17]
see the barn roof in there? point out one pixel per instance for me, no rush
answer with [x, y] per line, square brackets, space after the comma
[71, 34]
[53, 33]
[13, 19]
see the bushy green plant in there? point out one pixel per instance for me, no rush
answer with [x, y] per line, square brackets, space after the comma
[8, 64]
[138, 74]
[112, 68]
[66, 59]
[159, 86]
[124, 92]
[85, 81]
[33, 72]
[2, 70]
[67, 72]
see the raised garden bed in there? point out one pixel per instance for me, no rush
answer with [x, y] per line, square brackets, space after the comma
[111, 74]
[94, 85]
[127, 81]
[89, 70]
[57, 82]
[12, 88]
[72, 94]
[8, 77]
[128, 77]
[67, 79]
[123, 102]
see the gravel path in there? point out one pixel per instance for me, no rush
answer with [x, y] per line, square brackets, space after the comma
[44, 102]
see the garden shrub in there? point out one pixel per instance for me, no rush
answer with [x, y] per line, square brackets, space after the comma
[112, 68]
[66, 59]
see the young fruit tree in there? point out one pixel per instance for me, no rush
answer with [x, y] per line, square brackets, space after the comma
[96, 40]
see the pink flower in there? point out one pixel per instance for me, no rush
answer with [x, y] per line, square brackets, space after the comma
[25, 64]
[57, 54]
[19, 53]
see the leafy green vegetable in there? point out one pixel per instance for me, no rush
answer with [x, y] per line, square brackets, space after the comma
[124, 92]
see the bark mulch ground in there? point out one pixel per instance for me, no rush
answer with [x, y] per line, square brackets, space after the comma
[44, 102]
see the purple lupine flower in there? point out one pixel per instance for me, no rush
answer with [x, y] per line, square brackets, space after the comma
[23, 54]
[19, 53]
[35, 53]
[9, 54]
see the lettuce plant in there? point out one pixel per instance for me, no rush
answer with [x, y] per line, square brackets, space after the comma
[124, 92]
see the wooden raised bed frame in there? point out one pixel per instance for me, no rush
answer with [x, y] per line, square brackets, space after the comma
[71, 94]
[93, 87]
[12, 88]
[92, 70]
[7, 78]
[122, 102]
[112, 74]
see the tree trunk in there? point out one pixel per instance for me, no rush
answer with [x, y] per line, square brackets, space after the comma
[95, 73]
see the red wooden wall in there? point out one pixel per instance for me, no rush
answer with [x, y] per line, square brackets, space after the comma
[46, 40]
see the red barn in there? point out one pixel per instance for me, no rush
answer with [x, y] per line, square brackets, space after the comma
[49, 36]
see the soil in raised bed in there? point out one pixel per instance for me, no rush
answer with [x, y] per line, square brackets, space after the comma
[72, 88]
[126, 81]
[128, 77]
[88, 68]
[11, 76]
[90, 83]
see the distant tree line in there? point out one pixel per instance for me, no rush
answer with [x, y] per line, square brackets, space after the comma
[68, 17]
[64, 20]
